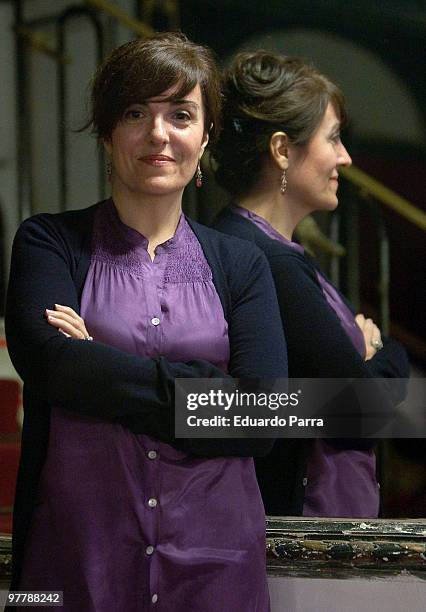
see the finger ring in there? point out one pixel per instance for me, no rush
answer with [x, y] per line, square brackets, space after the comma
[90, 338]
[377, 344]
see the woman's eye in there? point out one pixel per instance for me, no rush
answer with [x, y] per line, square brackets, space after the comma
[182, 116]
[133, 115]
[335, 137]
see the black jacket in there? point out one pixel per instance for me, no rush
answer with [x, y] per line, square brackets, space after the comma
[50, 259]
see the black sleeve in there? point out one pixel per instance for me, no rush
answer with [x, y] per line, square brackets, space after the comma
[86, 377]
[318, 346]
[390, 362]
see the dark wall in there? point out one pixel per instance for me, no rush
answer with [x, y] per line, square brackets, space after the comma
[394, 30]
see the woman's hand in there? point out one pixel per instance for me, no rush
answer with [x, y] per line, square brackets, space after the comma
[68, 322]
[372, 335]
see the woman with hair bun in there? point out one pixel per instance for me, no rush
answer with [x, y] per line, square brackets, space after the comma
[279, 156]
[106, 307]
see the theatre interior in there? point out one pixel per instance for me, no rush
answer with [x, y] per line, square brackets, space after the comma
[372, 247]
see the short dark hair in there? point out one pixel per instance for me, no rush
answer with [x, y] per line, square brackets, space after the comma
[143, 69]
[265, 93]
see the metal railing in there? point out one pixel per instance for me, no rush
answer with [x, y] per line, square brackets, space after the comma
[381, 197]
[28, 37]
[64, 19]
[372, 187]
[140, 28]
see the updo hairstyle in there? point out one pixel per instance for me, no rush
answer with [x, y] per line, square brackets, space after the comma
[266, 93]
[143, 69]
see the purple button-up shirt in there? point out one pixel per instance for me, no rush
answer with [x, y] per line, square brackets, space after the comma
[126, 523]
[340, 483]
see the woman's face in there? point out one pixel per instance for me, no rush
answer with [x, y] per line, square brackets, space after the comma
[313, 169]
[157, 144]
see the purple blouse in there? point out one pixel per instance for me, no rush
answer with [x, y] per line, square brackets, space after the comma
[126, 523]
[340, 483]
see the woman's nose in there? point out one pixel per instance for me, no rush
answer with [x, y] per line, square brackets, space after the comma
[344, 157]
[158, 130]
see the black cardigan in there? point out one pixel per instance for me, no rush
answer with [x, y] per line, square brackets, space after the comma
[318, 347]
[50, 259]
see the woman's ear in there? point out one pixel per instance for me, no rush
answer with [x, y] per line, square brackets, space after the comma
[204, 143]
[278, 149]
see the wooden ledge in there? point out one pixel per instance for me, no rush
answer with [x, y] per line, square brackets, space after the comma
[344, 548]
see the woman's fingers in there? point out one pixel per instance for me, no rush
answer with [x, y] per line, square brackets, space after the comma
[68, 311]
[63, 316]
[372, 335]
[376, 338]
[66, 327]
[67, 321]
[368, 329]
[360, 320]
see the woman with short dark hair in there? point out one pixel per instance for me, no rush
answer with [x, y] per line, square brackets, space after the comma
[279, 155]
[143, 69]
[106, 306]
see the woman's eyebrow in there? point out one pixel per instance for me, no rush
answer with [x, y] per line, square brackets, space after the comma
[173, 101]
[186, 102]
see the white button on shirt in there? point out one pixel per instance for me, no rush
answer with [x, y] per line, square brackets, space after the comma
[149, 550]
[152, 454]
[155, 321]
[154, 598]
[152, 502]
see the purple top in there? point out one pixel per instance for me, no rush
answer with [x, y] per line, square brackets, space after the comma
[340, 483]
[125, 522]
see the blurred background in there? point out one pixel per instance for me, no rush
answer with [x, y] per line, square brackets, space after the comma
[373, 246]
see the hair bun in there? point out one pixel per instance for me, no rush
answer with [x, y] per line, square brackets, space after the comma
[258, 75]
[267, 92]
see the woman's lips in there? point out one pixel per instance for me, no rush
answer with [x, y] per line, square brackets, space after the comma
[156, 160]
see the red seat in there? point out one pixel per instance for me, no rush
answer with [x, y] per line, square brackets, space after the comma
[6, 523]
[9, 462]
[10, 397]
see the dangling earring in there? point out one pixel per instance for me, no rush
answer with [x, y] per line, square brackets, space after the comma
[198, 176]
[109, 169]
[283, 182]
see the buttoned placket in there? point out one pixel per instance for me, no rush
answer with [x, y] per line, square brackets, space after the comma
[152, 466]
[154, 300]
[154, 280]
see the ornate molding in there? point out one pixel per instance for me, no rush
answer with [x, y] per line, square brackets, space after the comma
[343, 548]
[5, 559]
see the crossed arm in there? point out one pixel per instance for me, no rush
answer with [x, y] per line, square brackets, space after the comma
[100, 381]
